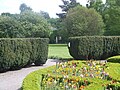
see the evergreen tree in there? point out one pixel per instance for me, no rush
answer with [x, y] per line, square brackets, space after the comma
[67, 5]
[24, 7]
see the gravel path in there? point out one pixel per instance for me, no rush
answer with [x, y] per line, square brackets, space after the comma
[12, 80]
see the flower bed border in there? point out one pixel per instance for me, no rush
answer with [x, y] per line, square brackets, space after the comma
[33, 80]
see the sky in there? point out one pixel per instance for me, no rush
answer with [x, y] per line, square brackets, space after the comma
[50, 6]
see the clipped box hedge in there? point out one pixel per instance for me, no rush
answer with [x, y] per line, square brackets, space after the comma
[16, 53]
[114, 59]
[94, 47]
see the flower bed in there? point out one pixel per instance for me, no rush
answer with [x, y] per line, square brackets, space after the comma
[78, 75]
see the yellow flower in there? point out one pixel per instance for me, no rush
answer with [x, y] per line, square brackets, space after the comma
[97, 77]
[98, 72]
[86, 75]
[77, 79]
[69, 84]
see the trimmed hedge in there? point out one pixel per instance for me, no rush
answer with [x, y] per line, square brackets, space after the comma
[16, 53]
[114, 59]
[94, 47]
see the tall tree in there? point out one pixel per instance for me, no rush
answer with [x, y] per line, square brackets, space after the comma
[110, 3]
[24, 7]
[112, 21]
[97, 5]
[67, 5]
[45, 14]
[111, 17]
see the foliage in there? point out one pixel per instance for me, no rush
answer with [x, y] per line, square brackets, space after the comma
[112, 19]
[110, 12]
[55, 23]
[26, 24]
[16, 53]
[68, 4]
[23, 7]
[58, 31]
[39, 51]
[35, 79]
[10, 28]
[34, 25]
[53, 36]
[44, 14]
[115, 59]
[81, 21]
[61, 30]
[94, 47]
[97, 5]
[111, 3]
[5, 14]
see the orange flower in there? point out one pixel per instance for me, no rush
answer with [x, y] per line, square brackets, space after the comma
[81, 87]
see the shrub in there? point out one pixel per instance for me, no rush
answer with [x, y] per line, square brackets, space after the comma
[17, 53]
[115, 59]
[94, 47]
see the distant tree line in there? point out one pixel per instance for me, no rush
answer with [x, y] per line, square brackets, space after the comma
[24, 25]
[97, 18]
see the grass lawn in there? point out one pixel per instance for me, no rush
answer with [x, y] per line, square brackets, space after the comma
[59, 51]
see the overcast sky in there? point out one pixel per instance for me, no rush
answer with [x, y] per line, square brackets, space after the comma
[50, 6]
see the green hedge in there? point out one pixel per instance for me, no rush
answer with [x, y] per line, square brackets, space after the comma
[16, 53]
[94, 47]
[114, 59]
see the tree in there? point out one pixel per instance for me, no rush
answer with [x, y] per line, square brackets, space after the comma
[34, 24]
[81, 21]
[118, 2]
[5, 14]
[10, 28]
[110, 13]
[67, 5]
[110, 3]
[44, 14]
[112, 21]
[97, 5]
[111, 17]
[58, 31]
[23, 7]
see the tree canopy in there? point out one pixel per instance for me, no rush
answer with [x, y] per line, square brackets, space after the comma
[112, 21]
[110, 12]
[34, 24]
[10, 28]
[81, 21]
[25, 24]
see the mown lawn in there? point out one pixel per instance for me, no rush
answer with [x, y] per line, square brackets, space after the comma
[59, 51]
